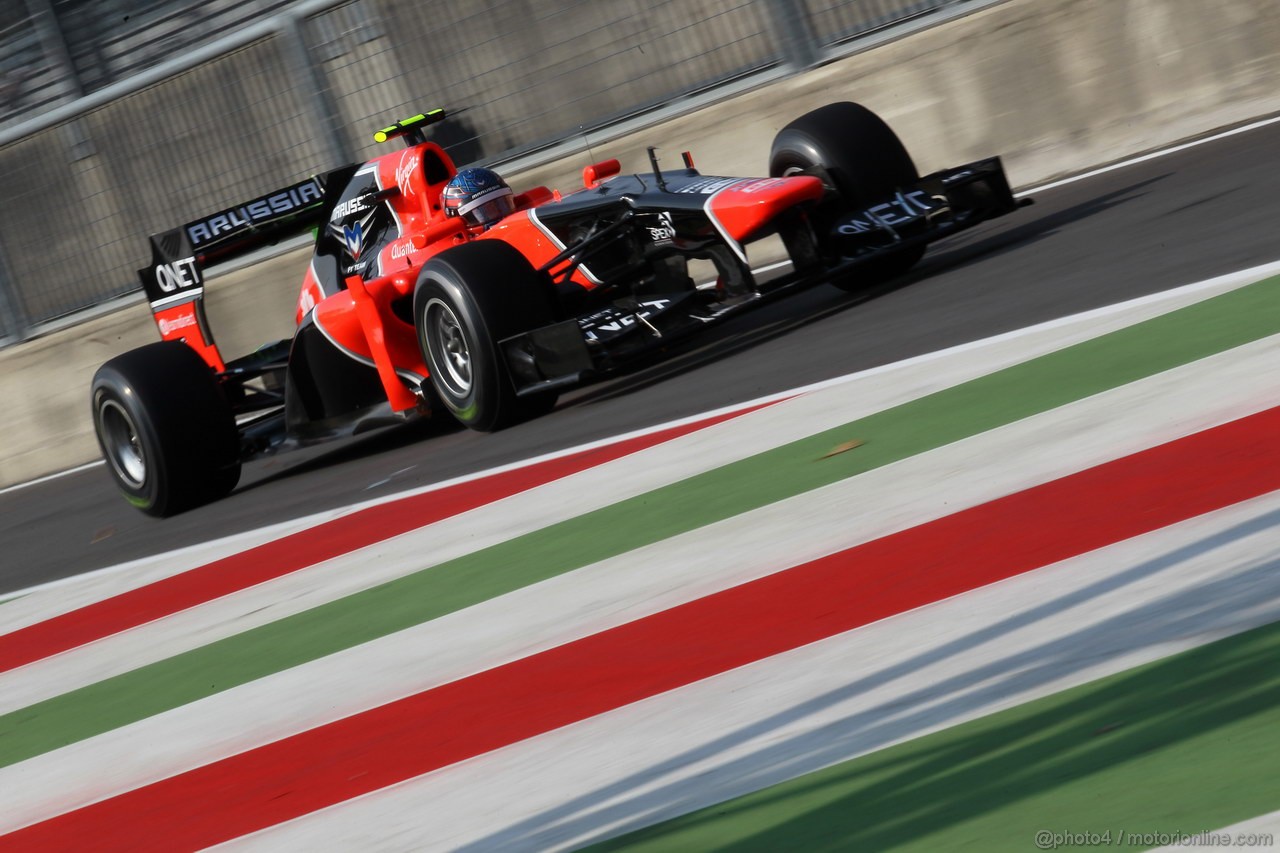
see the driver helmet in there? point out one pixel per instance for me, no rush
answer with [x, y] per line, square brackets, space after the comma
[479, 196]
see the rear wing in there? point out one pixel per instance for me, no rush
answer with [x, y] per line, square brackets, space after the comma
[174, 281]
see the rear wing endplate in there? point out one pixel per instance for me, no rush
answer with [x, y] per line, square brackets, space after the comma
[174, 281]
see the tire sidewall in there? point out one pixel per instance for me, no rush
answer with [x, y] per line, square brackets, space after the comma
[862, 162]
[150, 496]
[184, 424]
[471, 408]
[858, 155]
[495, 293]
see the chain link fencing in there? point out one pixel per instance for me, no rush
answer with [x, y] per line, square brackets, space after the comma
[101, 146]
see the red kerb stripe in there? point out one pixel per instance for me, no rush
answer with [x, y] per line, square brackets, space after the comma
[305, 548]
[1006, 537]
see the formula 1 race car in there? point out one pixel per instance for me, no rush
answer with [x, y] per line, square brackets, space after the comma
[432, 289]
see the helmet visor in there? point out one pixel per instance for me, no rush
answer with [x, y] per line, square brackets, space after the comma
[490, 211]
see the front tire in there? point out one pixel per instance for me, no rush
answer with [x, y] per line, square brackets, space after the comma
[165, 428]
[862, 161]
[467, 300]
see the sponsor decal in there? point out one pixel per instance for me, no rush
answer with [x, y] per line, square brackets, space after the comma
[617, 319]
[273, 206]
[181, 322]
[307, 299]
[707, 186]
[352, 237]
[177, 275]
[758, 185]
[352, 221]
[356, 268]
[904, 208]
[409, 162]
[665, 230]
[402, 250]
[359, 204]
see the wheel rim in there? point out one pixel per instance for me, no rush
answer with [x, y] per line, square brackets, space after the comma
[122, 442]
[447, 344]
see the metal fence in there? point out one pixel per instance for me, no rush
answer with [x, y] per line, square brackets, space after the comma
[102, 142]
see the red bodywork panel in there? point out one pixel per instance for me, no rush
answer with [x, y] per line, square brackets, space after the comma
[743, 208]
[361, 320]
[523, 230]
[186, 322]
[387, 349]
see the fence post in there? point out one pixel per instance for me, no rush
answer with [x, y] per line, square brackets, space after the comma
[800, 45]
[14, 323]
[326, 119]
[54, 43]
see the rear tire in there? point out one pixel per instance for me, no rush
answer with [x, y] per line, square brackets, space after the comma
[467, 300]
[862, 160]
[165, 428]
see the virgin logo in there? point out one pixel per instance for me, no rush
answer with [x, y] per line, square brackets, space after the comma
[404, 172]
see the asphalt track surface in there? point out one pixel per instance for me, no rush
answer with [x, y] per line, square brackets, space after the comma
[1138, 230]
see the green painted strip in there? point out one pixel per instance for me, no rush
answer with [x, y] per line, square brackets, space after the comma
[1195, 332]
[1187, 744]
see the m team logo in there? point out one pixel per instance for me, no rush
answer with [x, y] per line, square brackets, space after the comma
[352, 237]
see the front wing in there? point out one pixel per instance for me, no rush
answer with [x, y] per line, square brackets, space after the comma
[585, 347]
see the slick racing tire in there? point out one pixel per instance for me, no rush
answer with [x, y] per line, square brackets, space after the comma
[467, 300]
[165, 428]
[861, 159]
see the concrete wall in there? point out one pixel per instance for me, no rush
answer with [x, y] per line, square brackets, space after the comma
[1056, 86]
[304, 94]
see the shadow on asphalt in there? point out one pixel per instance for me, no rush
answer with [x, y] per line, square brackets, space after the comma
[959, 252]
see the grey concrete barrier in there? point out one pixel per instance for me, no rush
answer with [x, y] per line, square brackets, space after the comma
[1055, 86]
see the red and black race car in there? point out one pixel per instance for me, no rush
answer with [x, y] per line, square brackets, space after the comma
[431, 289]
